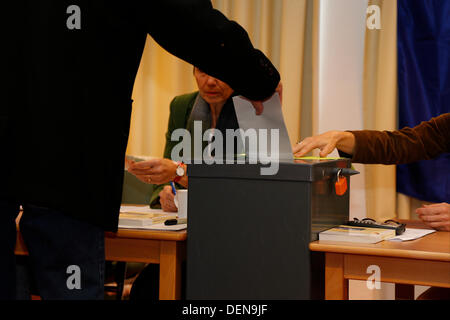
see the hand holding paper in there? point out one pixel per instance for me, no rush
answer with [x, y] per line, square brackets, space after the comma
[156, 170]
[259, 106]
[267, 139]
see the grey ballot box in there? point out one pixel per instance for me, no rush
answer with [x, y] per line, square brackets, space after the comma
[248, 234]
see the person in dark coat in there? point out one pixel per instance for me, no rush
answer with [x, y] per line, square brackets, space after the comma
[69, 70]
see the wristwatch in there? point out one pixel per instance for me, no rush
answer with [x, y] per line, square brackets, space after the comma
[180, 171]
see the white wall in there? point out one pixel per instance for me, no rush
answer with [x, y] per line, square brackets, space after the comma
[339, 64]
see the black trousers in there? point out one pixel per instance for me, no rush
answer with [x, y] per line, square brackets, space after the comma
[66, 256]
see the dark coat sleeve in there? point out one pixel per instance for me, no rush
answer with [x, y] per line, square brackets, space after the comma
[195, 32]
[423, 142]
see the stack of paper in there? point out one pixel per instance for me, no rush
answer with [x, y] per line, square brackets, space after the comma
[142, 217]
[139, 209]
[163, 227]
[356, 234]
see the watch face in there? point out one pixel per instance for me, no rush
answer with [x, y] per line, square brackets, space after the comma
[180, 171]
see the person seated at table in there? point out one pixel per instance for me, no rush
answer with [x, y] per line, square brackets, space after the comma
[423, 142]
[213, 106]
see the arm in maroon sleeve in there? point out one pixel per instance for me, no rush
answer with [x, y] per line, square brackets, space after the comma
[423, 142]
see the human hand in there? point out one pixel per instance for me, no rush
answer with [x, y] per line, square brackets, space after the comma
[156, 171]
[258, 105]
[326, 142]
[436, 216]
[167, 200]
[128, 163]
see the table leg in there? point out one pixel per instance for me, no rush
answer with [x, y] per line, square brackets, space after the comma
[336, 286]
[170, 271]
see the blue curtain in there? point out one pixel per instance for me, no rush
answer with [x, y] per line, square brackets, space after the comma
[424, 89]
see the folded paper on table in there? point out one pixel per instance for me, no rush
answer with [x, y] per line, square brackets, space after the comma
[412, 234]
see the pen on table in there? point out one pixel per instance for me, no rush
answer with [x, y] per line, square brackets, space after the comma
[172, 222]
[173, 188]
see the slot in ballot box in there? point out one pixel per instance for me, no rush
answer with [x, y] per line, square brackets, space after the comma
[248, 234]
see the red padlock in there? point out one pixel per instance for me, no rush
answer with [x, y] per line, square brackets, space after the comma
[341, 184]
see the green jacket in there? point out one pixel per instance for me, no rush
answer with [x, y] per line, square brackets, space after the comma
[180, 110]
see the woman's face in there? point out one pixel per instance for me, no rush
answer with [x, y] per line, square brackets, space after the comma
[212, 90]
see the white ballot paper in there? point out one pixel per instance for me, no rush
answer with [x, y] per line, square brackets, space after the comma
[412, 234]
[273, 144]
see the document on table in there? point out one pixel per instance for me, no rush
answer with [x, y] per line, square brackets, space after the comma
[412, 234]
[158, 226]
[146, 210]
[139, 209]
[271, 121]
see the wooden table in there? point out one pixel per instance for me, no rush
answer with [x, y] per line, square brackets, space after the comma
[167, 248]
[424, 261]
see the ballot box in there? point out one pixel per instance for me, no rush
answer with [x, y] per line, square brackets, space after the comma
[248, 234]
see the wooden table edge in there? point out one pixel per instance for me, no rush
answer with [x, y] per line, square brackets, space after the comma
[180, 235]
[348, 248]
